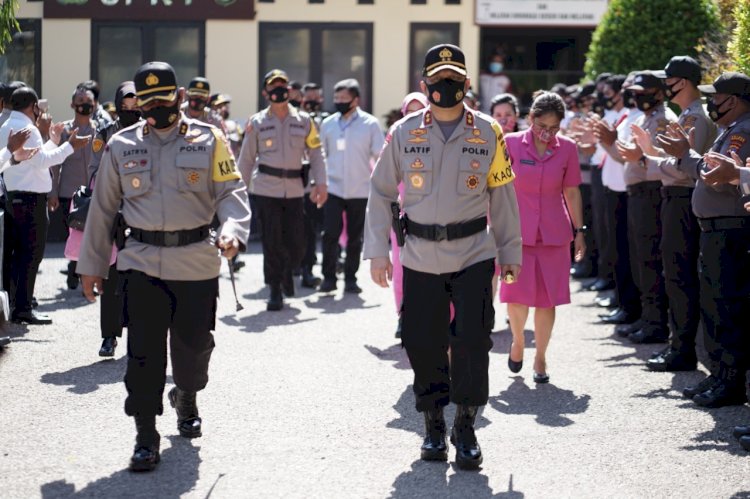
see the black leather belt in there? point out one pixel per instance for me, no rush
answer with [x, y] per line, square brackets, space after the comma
[170, 238]
[445, 232]
[723, 223]
[279, 172]
[674, 191]
[644, 188]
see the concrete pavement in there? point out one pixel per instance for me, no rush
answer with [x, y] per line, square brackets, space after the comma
[315, 401]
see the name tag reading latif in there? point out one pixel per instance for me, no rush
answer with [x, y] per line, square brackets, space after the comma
[528, 162]
[340, 144]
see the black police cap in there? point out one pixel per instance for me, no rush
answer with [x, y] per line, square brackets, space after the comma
[155, 81]
[444, 56]
[199, 87]
[681, 66]
[731, 82]
[273, 75]
[645, 80]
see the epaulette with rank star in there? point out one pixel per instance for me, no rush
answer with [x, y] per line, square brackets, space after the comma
[428, 117]
[145, 130]
[183, 128]
[469, 118]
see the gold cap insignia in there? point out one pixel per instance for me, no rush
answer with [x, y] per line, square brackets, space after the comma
[152, 80]
[445, 54]
[199, 84]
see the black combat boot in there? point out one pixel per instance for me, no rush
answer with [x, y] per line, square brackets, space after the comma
[276, 300]
[434, 447]
[287, 283]
[468, 452]
[146, 454]
[188, 422]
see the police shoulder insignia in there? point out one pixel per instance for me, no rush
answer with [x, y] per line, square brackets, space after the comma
[736, 142]
[223, 168]
[689, 121]
[183, 129]
[500, 172]
[97, 145]
[145, 130]
[661, 126]
[312, 141]
[469, 118]
[428, 118]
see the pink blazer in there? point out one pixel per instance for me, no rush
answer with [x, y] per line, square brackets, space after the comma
[539, 185]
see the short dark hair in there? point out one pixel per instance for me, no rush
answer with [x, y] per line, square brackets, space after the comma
[548, 103]
[22, 98]
[91, 85]
[602, 77]
[310, 86]
[509, 99]
[79, 89]
[11, 87]
[295, 85]
[615, 82]
[349, 84]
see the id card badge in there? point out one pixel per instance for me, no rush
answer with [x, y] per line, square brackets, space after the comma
[340, 144]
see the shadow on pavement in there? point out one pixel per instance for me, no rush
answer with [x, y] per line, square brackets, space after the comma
[394, 353]
[86, 379]
[176, 475]
[502, 339]
[64, 299]
[260, 322]
[337, 303]
[430, 479]
[547, 402]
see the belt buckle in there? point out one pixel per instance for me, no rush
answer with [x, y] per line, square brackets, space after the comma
[441, 233]
[171, 238]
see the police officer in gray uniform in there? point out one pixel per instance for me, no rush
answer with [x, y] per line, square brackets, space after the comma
[725, 232]
[680, 232]
[276, 141]
[454, 165]
[644, 213]
[171, 174]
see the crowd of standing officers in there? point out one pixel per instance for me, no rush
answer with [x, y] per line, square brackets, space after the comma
[601, 180]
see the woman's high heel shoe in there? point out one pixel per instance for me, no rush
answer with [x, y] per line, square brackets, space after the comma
[514, 366]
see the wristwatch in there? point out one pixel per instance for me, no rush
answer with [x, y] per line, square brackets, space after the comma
[580, 230]
[642, 162]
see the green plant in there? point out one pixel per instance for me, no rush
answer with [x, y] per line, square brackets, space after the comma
[645, 34]
[8, 23]
[739, 45]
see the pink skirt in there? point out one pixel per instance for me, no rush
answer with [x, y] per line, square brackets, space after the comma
[545, 278]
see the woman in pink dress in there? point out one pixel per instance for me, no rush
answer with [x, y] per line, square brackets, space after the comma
[547, 178]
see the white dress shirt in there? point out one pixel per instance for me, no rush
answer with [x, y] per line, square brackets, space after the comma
[33, 174]
[613, 172]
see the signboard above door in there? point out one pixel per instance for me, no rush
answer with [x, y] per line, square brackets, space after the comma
[143, 10]
[583, 13]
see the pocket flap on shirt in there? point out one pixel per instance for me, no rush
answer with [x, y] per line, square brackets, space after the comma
[198, 161]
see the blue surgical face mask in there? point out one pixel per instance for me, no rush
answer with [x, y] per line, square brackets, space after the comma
[496, 67]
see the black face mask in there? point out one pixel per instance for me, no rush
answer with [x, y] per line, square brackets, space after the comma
[611, 102]
[128, 117]
[197, 105]
[278, 94]
[85, 109]
[312, 106]
[295, 102]
[343, 107]
[225, 115]
[646, 102]
[670, 92]
[713, 109]
[163, 116]
[37, 113]
[449, 93]
[628, 99]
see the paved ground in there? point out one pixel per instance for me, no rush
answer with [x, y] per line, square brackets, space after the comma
[315, 401]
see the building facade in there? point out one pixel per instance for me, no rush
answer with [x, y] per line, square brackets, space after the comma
[234, 42]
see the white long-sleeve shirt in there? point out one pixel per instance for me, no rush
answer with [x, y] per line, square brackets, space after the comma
[33, 174]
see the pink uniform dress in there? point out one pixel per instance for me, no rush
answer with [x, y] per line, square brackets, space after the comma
[545, 223]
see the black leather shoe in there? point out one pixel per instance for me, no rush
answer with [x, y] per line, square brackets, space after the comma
[146, 455]
[620, 316]
[108, 347]
[606, 302]
[660, 353]
[745, 442]
[398, 327]
[4, 340]
[541, 378]
[720, 395]
[188, 423]
[31, 317]
[601, 284]
[625, 330]
[327, 286]
[706, 384]
[672, 361]
[276, 300]
[352, 287]
[308, 280]
[468, 452]
[514, 366]
[72, 281]
[644, 336]
[287, 284]
[741, 431]
[34, 302]
[434, 447]
[145, 459]
[580, 270]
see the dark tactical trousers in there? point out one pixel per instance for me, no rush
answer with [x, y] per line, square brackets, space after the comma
[110, 310]
[333, 225]
[27, 238]
[619, 251]
[427, 332]
[313, 221]
[185, 309]
[725, 300]
[283, 237]
[679, 248]
[644, 229]
[599, 225]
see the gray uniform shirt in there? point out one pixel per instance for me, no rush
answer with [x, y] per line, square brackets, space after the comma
[722, 200]
[280, 144]
[654, 123]
[74, 171]
[165, 183]
[446, 182]
[693, 116]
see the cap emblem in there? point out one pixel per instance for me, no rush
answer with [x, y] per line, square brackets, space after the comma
[152, 80]
[446, 54]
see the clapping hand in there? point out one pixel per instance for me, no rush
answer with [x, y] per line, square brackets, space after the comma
[604, 132]
[643, 139]
[16, 140]
[676, 142]
[55, 132]
[631, 152]
[78, 142]
[723, 170]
